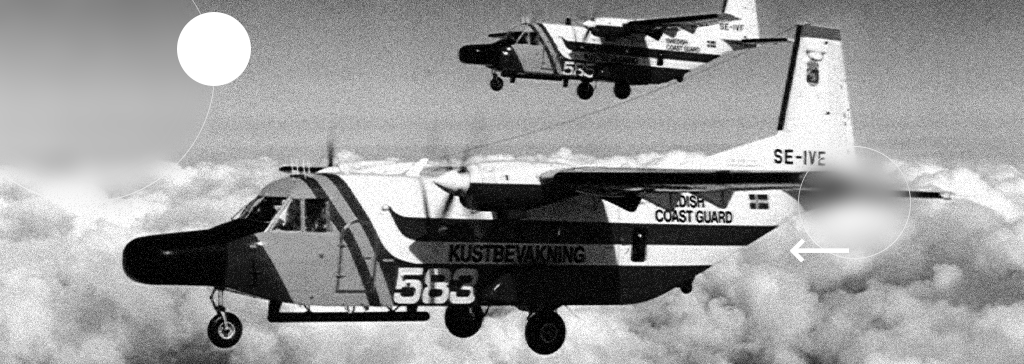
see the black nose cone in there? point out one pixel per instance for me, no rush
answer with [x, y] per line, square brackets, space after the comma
[190, 258]
[486, 54]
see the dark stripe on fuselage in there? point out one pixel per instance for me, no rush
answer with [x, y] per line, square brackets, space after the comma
[549, 47]
[357, 256]
[621, 50]
[566, 232]
[382, 257]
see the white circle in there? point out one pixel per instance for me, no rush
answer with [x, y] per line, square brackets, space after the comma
[214, 49]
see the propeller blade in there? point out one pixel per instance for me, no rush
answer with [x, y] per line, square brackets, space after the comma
[330, 153]
[447, 206]
[426, 204]
[455, 182]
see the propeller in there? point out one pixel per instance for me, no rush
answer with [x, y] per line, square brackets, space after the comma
[455, 182]
[330, 153]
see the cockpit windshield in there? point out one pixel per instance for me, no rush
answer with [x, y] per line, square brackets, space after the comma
[310, 215]
[530, 37]
[261, 209]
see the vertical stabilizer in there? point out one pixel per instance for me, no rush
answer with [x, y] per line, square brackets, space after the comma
[814, 128]
[746, 27]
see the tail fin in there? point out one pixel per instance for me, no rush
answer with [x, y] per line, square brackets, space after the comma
[815, 131]
[746, 27]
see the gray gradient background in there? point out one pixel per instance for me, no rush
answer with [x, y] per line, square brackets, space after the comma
[929, 81]
[928, 78]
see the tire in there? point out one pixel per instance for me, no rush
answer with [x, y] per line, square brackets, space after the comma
[463, 320]
[545, 332]
[622, 90]
[585, 90]
[497, 83]
[224, 334]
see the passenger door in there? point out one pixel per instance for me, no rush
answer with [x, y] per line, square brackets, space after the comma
[303, 244]
[530, 50]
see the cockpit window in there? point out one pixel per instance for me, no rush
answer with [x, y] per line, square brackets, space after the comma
[318, 215]
[261, 209]
[312, 215]
[528, 38]
[290, 219]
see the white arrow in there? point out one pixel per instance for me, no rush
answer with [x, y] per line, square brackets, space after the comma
[797, 250]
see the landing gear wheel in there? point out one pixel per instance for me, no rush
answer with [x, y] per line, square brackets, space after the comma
[585, 90]
[225, 329]
[545, 332]
[621, 90]
[463, 320]
[497, 83]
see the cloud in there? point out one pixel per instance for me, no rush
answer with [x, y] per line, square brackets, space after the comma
[950, 291]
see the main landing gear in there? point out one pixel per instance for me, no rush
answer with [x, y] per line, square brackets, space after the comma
[496, 82]
[225, 329]
[545, 331]
[585, 90]
[464, 320]
[621, 90]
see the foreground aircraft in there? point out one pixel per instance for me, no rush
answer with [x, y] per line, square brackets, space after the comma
[383, 246]
[626, 52]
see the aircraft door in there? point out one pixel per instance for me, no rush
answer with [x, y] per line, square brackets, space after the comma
[529, 47]
[349, 279]
[302, 242]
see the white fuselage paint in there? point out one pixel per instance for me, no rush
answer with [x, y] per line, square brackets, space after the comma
[380, 195]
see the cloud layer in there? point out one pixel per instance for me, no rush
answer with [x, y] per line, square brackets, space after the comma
[950, 291]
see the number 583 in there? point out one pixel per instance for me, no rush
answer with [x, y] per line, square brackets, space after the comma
[435, 286]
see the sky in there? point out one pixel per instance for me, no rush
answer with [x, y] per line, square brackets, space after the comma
[927, 78]
[929, 81]
[937, 79]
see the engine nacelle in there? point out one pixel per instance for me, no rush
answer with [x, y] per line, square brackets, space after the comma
[501, 197]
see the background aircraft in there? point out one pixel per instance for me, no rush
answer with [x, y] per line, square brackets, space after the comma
[384, 245]
[626, 52]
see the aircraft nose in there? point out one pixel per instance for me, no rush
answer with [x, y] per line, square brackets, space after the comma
[485, 54]
[190, 258]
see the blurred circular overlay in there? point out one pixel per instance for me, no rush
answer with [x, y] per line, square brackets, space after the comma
[93, 91]
[859, 207]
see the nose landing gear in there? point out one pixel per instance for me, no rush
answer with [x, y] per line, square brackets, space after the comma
[225, 329]
[545, 332]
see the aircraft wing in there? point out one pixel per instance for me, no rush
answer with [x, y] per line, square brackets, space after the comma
[689, 22]
[625, 186]
[632, 180]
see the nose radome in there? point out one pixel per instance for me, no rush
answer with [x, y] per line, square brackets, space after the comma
[485, 54]
[190, 258]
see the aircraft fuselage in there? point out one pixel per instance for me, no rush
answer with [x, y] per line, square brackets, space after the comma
[366, 240]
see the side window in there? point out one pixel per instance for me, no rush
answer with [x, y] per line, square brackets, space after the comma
[319, 216]
[290, 219]
[534, 39]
